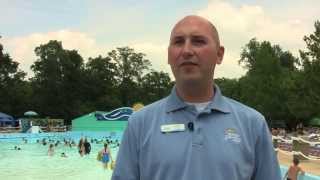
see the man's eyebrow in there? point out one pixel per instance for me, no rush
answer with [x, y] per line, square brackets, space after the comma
[192, 36]
[199, 37]
[177, 37]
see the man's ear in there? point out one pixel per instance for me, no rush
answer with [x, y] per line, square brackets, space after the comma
[220, 54]
[168, 54]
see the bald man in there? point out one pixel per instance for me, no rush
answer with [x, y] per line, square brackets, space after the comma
[196, 133]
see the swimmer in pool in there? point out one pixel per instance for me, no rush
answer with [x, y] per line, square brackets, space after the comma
[106, 156]
[51, 150]
[294, 170]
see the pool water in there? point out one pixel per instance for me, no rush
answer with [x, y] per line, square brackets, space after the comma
[306, 176]
[33, 163]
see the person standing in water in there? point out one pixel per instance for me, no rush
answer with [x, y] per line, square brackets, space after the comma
[294, 170]
[51, 150]
[87, 146]
[81, 147]
[105, 155]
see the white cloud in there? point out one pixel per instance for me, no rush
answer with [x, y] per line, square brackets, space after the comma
[156, 53]
[238, 24]
[22, 48]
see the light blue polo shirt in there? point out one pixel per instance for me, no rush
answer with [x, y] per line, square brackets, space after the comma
[230, 141]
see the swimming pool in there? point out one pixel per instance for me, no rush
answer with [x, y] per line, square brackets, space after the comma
[307, 176]
[33, 163]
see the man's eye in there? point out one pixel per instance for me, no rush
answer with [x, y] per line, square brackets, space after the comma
[199, 41]
[178, 41]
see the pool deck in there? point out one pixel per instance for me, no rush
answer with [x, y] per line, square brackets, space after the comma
[309, 166]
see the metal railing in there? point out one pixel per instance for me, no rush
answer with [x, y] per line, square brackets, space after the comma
[10, 129]
[43, 128]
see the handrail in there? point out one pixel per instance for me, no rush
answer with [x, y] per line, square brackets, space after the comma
[43, 128]
[10, 129]
[297, 149]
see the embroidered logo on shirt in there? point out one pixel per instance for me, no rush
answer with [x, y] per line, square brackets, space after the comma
[231, 135]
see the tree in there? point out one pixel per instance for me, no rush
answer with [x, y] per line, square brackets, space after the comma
[14, 91]
[100, 81]
[229, 87]
[58, 78]
[130, 67]
[306, 100]
[263, 86]
[155, 85]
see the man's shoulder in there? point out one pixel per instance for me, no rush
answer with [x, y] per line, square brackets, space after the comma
[150, 109]
[153, 106]
[240, 108]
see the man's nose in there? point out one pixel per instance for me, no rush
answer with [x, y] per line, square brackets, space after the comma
[187, 50]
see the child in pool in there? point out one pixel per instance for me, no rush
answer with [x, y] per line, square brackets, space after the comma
[294, 170]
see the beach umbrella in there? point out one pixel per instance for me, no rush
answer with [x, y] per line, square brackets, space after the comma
[315, 121]
[30, 113]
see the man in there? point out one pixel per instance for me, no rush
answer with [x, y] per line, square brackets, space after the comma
[87, 146]
[196, 133]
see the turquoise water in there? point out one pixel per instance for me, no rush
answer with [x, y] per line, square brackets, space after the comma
[33, 163]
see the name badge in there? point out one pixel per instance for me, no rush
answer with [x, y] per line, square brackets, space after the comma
[172, 128]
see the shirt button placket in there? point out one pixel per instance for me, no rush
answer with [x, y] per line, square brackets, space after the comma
[197, 137]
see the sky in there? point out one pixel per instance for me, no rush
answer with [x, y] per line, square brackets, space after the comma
[96, 27]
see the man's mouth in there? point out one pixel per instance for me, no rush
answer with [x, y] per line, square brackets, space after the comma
[188, 64]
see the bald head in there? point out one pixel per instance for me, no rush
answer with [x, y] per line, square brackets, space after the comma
[199, 19]
[193, 53]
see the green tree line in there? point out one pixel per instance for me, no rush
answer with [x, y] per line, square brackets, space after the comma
[64, 86]
[278, 84]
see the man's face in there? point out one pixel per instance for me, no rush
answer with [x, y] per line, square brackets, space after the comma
[193, 51]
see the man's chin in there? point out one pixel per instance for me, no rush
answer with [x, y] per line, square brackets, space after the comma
[191, 80]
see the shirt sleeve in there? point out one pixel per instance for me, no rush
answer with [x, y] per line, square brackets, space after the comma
[127, 164]
[266, 162]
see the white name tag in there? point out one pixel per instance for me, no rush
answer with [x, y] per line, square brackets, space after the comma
[172, 128]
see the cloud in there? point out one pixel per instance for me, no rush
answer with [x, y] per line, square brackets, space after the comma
[156, 53]
[22, 48]
[238, 24]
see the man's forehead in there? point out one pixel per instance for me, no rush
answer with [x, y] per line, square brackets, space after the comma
[193, 18]
[191, 30]
[195, 25]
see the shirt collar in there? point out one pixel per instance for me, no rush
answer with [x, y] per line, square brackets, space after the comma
[217, 103]
[174, 102]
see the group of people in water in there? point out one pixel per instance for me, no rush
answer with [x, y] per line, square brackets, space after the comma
[54, 144]
[83, 147]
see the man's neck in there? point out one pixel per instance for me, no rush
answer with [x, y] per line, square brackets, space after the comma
[195, 94]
